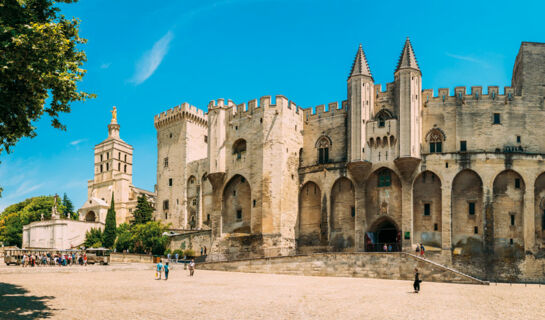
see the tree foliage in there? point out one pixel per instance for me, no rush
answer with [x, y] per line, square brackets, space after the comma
[68, 208]
[143, 212]
[149, 238]
[39, 60]
[14, 217]
[93, 238]
[124, 239]
[109, 236]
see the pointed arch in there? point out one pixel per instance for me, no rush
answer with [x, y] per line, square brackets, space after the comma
[343, 214]
[508, 210]
[427, 209]
[236, 207]
[467, 211]
[539, 198]
[310, 215]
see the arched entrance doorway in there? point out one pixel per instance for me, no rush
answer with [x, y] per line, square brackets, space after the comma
[383, 232]
[90, 216]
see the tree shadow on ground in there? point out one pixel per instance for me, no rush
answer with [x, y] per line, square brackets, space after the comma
[15, 304]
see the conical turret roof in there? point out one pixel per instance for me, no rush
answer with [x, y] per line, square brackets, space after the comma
[360, 65]
[407, 58]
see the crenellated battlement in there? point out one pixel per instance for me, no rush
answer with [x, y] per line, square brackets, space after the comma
[460, 94]
[245, 110]
[319, 112]
[183, 111]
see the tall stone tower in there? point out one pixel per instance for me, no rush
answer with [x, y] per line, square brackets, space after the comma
[360, 107]
[408, 87]
[113, 173]
[182, 137]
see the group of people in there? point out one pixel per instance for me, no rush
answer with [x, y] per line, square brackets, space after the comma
[165, 269]
[420, 249]
[48, 259]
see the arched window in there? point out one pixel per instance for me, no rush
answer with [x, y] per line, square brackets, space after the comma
[323, 145]
[384, 178]
[239, 147]
[382, 116]
[435, 138]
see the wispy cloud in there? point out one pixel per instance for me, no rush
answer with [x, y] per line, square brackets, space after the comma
[149, 62]
[468, 58]
[105, 65]
[76, 142]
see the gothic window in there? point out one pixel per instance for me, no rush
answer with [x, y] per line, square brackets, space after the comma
[125, 168]
[194, 202]
[170, 182]
[107, 155]
[165, 205]
[125, 158]
[239, 148]
[101, 158]
[239, 214]
[384, 178]
[382, 116]
[435, 138]
[205, 139]
[107, 167]
[119, 166]
[100, 168]
[165, 161]
[119, 155]
[323, 145]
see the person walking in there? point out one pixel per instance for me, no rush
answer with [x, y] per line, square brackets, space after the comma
[422, 249]
[166, 268]
[416, 284]
[176, 257]
[159, 270]
[202, 250]
[191, 267]
[168, 256]
[85, 259]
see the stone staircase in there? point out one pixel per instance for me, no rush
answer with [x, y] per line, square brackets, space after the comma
[483, 282]
[382, 265]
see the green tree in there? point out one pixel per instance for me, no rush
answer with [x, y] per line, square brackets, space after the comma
[109, 230]
[93, 238]
[124, 239]
[149, 238]
[143, 212]
[40, 60]
[68, 208]
[14, 217]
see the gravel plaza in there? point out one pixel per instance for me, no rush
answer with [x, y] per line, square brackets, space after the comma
[129, 291]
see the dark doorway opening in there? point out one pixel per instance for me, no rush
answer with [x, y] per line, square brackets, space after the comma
[383, 237]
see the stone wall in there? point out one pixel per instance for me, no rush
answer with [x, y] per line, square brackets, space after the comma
[398, 266]
[130, 258]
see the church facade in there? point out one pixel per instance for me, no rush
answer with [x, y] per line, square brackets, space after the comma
[461, 172]
[112, 178]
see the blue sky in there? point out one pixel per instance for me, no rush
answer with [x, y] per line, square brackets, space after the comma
[148, 56]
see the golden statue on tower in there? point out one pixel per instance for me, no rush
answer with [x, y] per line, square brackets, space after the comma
[114, 113]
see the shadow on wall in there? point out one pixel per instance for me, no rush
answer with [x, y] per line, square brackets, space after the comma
[18, 305]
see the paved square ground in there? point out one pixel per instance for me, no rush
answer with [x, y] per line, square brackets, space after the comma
[130, 292]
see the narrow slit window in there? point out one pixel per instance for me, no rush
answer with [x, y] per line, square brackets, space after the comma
[427, 209]
[471, 208]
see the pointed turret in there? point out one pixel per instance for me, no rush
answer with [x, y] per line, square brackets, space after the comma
[360, 67]
[407, 60]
